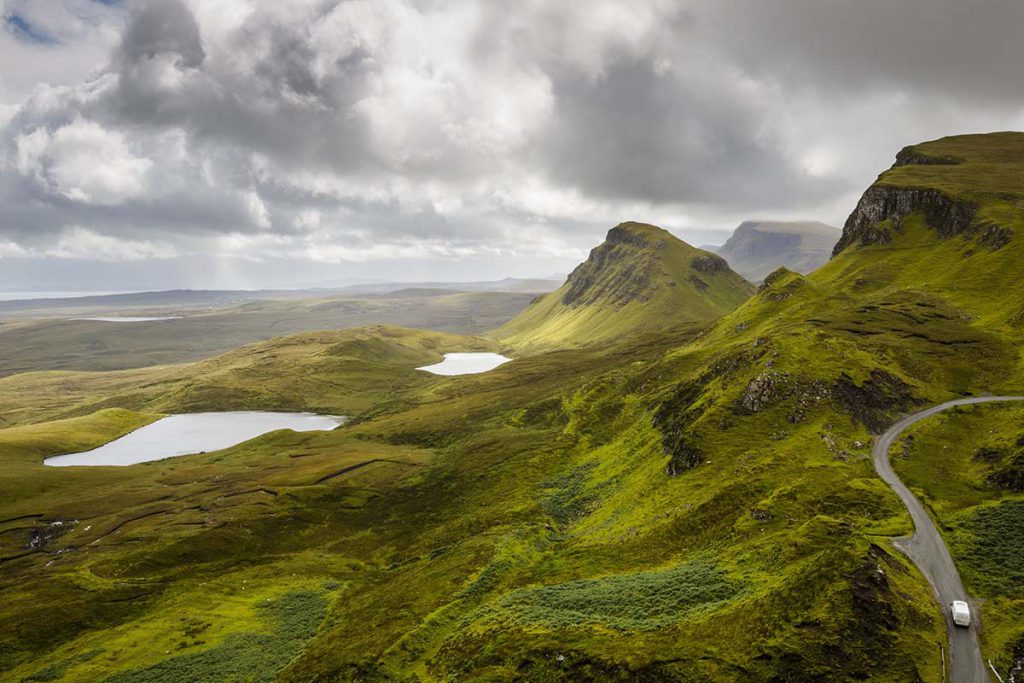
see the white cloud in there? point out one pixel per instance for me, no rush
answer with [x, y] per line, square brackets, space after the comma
[84, 162]
[380, 130]
[82, 244]
[83, 33]
[9, 249]
[257, 209]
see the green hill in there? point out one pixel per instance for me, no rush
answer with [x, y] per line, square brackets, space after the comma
[665, 508]
[756, 248]
[641, 280]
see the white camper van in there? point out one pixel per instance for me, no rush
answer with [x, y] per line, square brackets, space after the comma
[961, 613]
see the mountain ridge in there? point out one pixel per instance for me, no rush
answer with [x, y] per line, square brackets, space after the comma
[670, 507]
[641, 279]
[756, 248]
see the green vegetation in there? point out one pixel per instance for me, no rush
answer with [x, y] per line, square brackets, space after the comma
[252, 657]
[57, 670]
[691, 500]
[994, 547]
[644, 600]
[950, 460]
[69, 344]
[641, 281]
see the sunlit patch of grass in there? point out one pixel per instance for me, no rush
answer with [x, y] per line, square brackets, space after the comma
[290, 621]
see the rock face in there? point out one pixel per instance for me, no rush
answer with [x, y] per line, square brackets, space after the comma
[640, 280]
[630, 255]
[877, 400]
[709, 263]
[882, 209]
[757, 248]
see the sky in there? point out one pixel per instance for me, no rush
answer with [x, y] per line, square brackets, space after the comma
[150, 144]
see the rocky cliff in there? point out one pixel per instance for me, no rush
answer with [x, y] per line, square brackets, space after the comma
[956, 194]
[641, 279]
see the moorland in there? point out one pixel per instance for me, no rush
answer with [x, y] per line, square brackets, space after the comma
[671, 481]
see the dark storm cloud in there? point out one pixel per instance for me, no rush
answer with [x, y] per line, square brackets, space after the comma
[634, 133]
[363, 128]
[947, 47]
[160, 27]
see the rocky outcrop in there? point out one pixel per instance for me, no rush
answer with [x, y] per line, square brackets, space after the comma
[673, 419]
[780, 285]
[911, 156]
[771, 388]
[42, 536]
[631, 282]
[763, 391]
[620, 270]
[876, 401]
[882, 208]
[622, 234]
[1010, 476]
[709, 264]
[683, 456]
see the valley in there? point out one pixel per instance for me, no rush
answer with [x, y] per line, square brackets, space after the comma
[166, 328]
[671, 480]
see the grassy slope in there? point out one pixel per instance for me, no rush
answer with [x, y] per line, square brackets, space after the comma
[949, 460]
[631, 290]
[497, 521]
[91, 345]
[344, 372]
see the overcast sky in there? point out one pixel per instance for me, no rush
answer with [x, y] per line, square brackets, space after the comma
[245, 143]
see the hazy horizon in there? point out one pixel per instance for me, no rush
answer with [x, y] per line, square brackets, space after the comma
[189, 143]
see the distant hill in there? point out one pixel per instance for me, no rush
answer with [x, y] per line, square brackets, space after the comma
[508, 284]
[757, 248]
[641, 279]
[663, 507]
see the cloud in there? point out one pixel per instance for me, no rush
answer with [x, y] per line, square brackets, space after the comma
[9, 249]
[82, 244]
[390, 131]
[83, 162]
[23, 30]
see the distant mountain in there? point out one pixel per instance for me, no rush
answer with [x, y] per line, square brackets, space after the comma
[757, 248]
[663, 507]
[641, 279]
[508, 284]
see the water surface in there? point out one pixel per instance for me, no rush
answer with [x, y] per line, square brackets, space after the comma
[129, 319]
[466, 363]
[193, 433]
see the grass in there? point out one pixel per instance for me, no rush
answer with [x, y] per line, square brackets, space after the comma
[640, 601]
[57, 341]
[645, 283]
[993, 547]
[949, 460]
[523, 523]
[292, 620]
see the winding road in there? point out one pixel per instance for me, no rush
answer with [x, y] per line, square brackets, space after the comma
[929, 552]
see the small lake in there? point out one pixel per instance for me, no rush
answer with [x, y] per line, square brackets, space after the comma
[193, 433]
[128, 319]
[466, 363]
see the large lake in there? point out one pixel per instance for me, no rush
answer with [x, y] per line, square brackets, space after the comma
[466, 363]
[193, 433]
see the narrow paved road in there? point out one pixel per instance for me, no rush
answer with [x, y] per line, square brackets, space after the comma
[929, 552]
